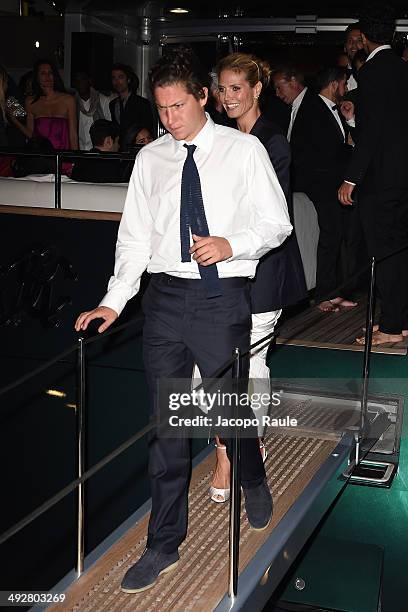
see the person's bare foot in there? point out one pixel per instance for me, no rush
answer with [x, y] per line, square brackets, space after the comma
[339, 301]
[327, 306]
[377, 327]
[380, 337]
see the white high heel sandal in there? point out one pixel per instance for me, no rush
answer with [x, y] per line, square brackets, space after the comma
[264, 451]
[220, 496]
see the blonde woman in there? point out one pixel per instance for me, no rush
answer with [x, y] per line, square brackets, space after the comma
[279, 280]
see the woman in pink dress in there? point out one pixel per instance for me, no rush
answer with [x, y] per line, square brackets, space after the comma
[51, 112]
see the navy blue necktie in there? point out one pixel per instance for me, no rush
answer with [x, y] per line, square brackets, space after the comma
[192, 215]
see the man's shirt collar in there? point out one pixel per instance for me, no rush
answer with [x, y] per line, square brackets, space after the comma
[376, 50]
[205, 137]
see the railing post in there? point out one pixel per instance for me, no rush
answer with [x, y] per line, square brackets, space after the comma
[80, 454]
[57, 185]
[367, 353]
[235, 497]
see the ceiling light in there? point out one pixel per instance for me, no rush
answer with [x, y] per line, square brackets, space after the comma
[55, 393]
[179, 10]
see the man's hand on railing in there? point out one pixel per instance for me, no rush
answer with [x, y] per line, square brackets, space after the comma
[102, 312]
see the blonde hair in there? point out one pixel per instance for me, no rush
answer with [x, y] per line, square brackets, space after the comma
[3, 88]
[254, 69]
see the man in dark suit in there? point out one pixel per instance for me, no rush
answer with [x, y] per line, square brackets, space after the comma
[352, 44]
[378, 169]
[289, 84]
[129, 108]
[320, 154]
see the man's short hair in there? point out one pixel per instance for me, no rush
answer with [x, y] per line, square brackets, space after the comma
[180, 66]
[289, 71]
[80, 73]
[101, 129]
[131, 75]
[328, 75]
[350, 28]
[377, 23]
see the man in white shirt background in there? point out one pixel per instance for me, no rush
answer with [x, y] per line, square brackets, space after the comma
[91, 105]
[290, 88]
[199, 175]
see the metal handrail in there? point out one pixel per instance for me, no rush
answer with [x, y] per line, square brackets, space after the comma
[235, 486]
[80, 454]
[366, 360]
[68, 153]
[60, 155]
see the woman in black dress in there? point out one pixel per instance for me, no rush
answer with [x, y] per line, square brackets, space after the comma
[279, 280]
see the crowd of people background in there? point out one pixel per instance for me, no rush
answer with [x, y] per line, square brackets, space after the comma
[43, 116]
[311, 141]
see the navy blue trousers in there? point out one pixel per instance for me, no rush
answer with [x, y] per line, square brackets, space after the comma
[183, 327]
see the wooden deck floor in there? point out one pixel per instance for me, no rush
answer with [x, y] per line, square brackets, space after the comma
[333, 330]
[200, 581]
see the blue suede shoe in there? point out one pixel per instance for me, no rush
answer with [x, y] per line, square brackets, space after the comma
[258, 506]
[145, 572]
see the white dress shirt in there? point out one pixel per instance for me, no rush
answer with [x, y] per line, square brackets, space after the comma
[351, 81]
[330, 104]
[85, 122]
[243, 203]
[295, 107]
[376, 50]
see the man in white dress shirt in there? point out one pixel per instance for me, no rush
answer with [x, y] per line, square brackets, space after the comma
[91, 106]
[290, 88]
[246, 213]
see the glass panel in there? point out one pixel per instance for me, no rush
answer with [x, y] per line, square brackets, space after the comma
[37, 442]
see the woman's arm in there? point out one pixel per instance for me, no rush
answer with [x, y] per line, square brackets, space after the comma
[28, 128]
[72, 122]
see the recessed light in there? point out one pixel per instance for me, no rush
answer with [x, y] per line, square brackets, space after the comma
[179, 10]
[56, 393]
